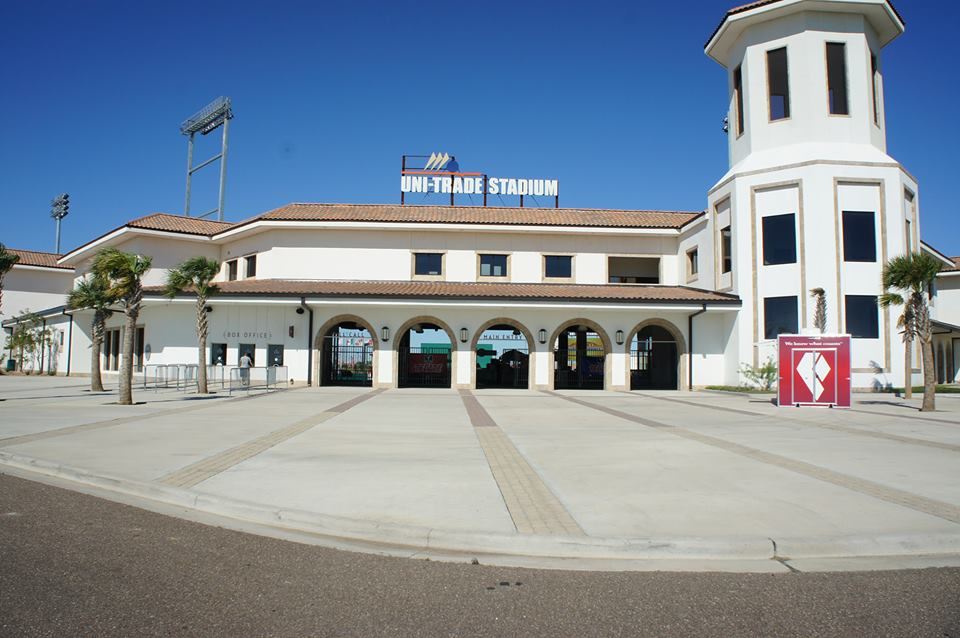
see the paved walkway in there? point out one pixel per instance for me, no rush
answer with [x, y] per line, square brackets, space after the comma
[608, 478]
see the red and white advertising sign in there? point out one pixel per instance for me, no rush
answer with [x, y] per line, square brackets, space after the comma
[814, 370]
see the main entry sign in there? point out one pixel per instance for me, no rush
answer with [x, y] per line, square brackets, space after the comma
[814, 370]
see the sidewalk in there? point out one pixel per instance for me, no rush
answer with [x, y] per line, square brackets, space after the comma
[576, 479]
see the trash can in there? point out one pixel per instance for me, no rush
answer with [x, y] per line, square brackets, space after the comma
[11, 365]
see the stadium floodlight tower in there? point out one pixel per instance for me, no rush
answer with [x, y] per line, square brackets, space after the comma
[59, 208]
[208, 119]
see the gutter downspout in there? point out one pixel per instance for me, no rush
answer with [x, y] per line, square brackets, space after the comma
[69, 341]
[303, 304]
[690, 344]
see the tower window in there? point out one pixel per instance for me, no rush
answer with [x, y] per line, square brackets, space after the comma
[780, 316]
[837, 78]
[862, 316]
[779, 240]
[693, 263]
[778, 84]
[874, 76]
[558, 266]
[232, 270]
[430, 264]
[252, 266]
[859, 236]
[738, 96]
[493, 265]
[726, 251]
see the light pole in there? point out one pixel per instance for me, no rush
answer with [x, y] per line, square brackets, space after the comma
[60, 208]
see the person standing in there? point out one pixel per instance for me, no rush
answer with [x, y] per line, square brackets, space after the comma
[245, 362]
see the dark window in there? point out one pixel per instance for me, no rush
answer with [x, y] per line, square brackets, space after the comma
[218, 354]
[493, 265]
[275, 354]
[247, 349]
[138, 349]
[726, 250]
[837, 78]
[252, 266]
[232, 270]
[859, 236]
[874, 78]
[779, 240]
[778, 84]
[560, 266]
[863, 318]
[693, 262]
[738, 96]
[779, 316]
[428, 264]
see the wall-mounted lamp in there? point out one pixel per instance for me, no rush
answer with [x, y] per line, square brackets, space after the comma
[385, 333]
[464, 335]
[209, 309]
[619, 337]
[300, 311]
[290, 331]
[542, 335]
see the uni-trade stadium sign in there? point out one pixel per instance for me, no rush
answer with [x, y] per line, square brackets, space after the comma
[439, 173]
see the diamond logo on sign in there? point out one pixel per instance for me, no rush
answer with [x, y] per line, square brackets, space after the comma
[812, 370]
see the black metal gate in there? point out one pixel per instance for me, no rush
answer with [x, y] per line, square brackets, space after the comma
[508, 370]
[578, 369]
[346, 363]
[653, 365]
[423, 367]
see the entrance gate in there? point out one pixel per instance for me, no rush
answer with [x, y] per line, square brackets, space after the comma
[503, 358]
[653, 360]
[578, 360]
[347, 352]
[424, 367]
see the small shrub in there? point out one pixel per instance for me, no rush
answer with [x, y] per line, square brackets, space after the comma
[762, 377]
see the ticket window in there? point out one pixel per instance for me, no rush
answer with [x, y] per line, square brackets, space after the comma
[247, 349]
[218, 354]
[275, 355]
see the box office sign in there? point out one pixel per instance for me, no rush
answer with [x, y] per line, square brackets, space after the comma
[255, 335]
[814, 371]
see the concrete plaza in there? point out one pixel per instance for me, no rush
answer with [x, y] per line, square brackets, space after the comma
[596, 480]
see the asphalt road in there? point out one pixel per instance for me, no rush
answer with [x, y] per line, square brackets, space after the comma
[76, 565]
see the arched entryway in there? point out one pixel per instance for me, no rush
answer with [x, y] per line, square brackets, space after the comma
[655, 356]
[502, 356]
[346, 346]
[425, 354]
[579, 356]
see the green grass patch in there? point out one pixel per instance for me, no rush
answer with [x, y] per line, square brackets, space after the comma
[739, 388]
[941, 389]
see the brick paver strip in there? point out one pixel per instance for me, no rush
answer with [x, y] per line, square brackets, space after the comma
[532, 506]
[825, 426]
[109, 423]
[211, 466]
[946, 511]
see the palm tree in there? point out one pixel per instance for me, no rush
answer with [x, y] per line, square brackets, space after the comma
[820, 314]
[912, 275]
[93, 293]
[196, 274]
[7, 260]
[124, 273]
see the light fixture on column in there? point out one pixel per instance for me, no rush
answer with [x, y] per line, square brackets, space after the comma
[385, 333]
[619, 337]
[464, 335]
[542, 335]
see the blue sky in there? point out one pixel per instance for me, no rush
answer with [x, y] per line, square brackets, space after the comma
[616, 100]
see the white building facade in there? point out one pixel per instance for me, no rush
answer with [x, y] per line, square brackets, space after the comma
[466, 297]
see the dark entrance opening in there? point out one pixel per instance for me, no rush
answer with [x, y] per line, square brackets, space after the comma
[503, 358]
[578, 359]
[347, 356]
[424, 357]
[653, 360]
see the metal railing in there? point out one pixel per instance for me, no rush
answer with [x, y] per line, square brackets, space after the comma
[257, 378]
[182, 376]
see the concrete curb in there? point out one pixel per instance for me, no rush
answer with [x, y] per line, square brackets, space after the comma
[617, 553]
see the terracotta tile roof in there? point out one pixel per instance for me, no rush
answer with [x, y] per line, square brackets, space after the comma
[956, 265]
[760, 3]
[179, 224]
[582, 217]
[36, 258]
[470, 290]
